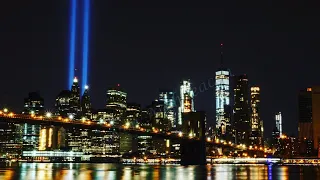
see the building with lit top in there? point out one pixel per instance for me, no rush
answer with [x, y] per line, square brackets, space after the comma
[278, 118]
[117, 102]
[86, 108]
[241, 109]
[256, 136]
[305, 126]
[309, 116]
[75, 106]
[222, 96]
[33, 105]
[170, 106]
[186, 99]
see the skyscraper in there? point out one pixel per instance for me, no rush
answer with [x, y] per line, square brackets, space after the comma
[157, 115]
[170, 108]
[305, 114]
[62, 104]
[316, 116]
[222, 96]
[309, 117]
[75, 106]
[241, 109]
[86, 104]
[186, 100]
[278, 118]
[133, 113]
[33, 105]
[305, 128]
[256, 136]
[117, 102]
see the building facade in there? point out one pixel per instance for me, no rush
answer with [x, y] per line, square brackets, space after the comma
[186, 100]
[170, 106]
[33, 105]
[222, 96]
[75, 106]
[86, 108]
[117, 102]
[278, 118]
[256, 137]
[241, 110]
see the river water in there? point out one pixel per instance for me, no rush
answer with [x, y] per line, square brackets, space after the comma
[82, 171]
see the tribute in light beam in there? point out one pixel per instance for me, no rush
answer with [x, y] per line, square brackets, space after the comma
[73, 19]
[85, 48]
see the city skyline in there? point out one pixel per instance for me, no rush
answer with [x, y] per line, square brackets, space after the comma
[46, 63]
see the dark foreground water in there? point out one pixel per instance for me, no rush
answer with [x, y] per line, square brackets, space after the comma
[56, 171]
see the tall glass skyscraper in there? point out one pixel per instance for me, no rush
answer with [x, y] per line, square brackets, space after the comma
[278, 118]
[168, 97]
[33, 105]
[186, 99]
[117, 103]
[256, 136]
[222, 99]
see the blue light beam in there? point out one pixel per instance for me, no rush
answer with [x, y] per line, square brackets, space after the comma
[73, 19]
[85, 48]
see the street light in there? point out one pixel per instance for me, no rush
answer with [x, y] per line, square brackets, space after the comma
[5, 110]
[70, 116]
[48, 115]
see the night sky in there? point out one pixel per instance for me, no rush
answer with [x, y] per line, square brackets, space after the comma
[147, 45]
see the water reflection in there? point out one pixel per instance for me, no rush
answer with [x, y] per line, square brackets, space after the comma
[49, 171]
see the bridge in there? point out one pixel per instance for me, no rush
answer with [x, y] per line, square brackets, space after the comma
[192, 147]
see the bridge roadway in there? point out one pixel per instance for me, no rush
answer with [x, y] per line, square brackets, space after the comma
[88, 124]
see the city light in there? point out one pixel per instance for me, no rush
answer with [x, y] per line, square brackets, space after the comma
[70, 116]
[5, 110]
[48, 115]
[73, 31]
[180, 134]
[85, 45]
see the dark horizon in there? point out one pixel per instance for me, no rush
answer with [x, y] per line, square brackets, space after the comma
[146, 46]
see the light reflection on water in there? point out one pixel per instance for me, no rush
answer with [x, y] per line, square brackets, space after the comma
[69, 171]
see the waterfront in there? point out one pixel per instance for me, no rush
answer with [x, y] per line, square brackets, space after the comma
[84, 171]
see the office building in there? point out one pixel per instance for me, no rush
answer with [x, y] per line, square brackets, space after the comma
[278, 118]
[241, 110]
[75, 106]
[170, 106]
[133, 114]
[157, 115]
[86, 108]
[305, 129]
[186, 100]
[10, 140]
[62, 104]
[117, 102]
[222, 97]
[316, 116]
[33, 105]
[256, 137]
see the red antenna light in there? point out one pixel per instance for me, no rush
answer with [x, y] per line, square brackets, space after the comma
[118, 85]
